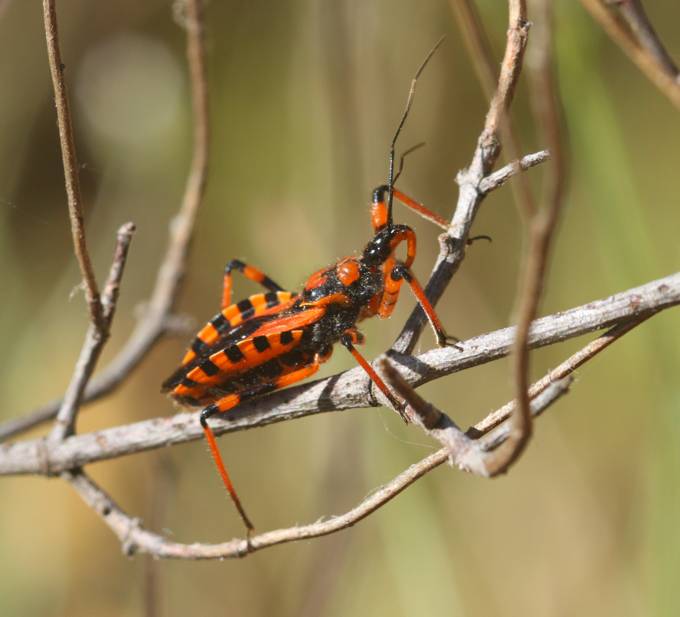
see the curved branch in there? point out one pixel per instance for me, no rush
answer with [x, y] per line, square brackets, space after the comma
[541, 225]
[642, 56]
[70, 163]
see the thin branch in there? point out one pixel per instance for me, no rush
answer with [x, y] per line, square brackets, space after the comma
[561, 371]
[499, 178]
[95, 339]
[542, 227]
[135, 539]
[70, 162]
[465, 452]
[174, 265]
[347, 390]
[453, 244]
[157, 318]
[638, 22]
[481, 56]
[641, 55]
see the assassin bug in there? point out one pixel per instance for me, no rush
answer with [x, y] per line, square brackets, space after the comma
[271, 340]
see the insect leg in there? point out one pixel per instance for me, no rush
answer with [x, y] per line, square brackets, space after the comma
[229, 402]
[420, 209]
[221, 406]
[348, 340]
[379, 208]
[249, 272]
[400, 271]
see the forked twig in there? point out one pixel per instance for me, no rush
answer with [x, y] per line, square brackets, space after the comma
[95, 339]
[481, 56]
[645, 55]
[465, 452]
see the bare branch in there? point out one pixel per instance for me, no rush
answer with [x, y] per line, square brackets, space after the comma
[563, 370]
[345, 391]
[156, 320]
[173, 267]
[95, 339]
[644, 57]
[480, 53]
[499, 178]
[70, 162]
[636, 17]
[453, 244]
[466, 453]
[542, 227]
[135, 539]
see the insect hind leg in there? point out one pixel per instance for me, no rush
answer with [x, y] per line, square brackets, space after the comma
[250, 272]
[222, 405]
[230, 401]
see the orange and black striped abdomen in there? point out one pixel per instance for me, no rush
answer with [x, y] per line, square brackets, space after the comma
[232, 364]
[234, 315]
[245, 348]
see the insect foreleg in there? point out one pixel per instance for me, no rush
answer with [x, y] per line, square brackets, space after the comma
[348, 340]
[400, 271]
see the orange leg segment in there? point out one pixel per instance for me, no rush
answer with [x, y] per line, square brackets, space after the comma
[379, 213]
[348, 339]
[249, 272]
[400, 271]
[232, 400]
[420, 209]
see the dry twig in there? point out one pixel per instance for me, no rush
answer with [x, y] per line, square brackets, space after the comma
[95, 339]
[635, 36]
[481, 56]
[101, 309]
[541, 229]
[70, 161]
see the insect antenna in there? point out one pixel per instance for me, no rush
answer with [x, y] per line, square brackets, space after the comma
[404, 154]
[409, 102]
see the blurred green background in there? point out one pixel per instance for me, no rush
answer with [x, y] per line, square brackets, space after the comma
[304, 98]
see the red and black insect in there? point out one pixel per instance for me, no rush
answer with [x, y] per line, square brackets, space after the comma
[274, 339]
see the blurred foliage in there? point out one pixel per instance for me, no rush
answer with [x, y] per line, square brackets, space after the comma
[304, 99]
